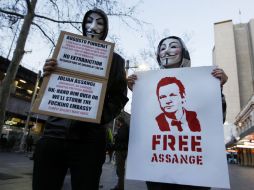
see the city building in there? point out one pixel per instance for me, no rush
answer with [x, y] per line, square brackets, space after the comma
[234, 52]
[19, 103]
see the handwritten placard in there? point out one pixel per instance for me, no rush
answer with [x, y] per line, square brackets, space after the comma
[72, 97]
[83, 55]
[76, 88]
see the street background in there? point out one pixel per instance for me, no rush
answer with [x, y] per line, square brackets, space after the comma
[16, 174]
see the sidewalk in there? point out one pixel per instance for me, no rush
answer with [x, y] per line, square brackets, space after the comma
[16, 174]
[109, 180]
[15, 171]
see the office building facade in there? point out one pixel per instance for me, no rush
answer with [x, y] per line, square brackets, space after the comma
[234, 52]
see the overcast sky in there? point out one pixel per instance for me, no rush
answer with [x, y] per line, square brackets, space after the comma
[193, 17]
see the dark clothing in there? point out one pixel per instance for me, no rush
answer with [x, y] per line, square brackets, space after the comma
[29, 144]
[54, 157]
[224, 106]
[120, 168]
[115, 100]
[109, 144]
[167, 186]
[76, 145]
[122, 138]
[121, 147]
[3, 143]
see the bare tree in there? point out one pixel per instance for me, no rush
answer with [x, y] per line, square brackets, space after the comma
[17, 56]
[47, 17]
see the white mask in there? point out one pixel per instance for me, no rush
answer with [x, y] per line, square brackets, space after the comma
[170, 53]
[94, 26]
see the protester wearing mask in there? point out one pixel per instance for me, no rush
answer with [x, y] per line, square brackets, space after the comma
[172, 53]
[75, 145]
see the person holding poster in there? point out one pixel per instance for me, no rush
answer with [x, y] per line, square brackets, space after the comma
[172, 53]
[75, 145]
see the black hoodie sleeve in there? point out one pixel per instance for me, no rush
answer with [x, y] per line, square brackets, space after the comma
[224, 106]
[116, 94]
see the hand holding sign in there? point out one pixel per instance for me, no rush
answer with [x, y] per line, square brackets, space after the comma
[131, 81]
[49, 66]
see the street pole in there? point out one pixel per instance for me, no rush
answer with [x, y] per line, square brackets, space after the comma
[127, 67]
[23, 139]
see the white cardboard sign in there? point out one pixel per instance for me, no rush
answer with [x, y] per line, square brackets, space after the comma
[81, 54]
[69, 96]
[192, 152]
[79, 58]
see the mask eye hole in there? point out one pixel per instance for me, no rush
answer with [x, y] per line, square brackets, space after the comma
[89, 20]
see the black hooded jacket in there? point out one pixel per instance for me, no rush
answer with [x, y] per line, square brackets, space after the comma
[115, 100]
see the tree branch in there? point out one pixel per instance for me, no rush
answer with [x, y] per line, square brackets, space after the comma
[77, 28]
[12, 13]
[73, 22]
[39, 16]
[57, 21]
[44, 33]
[54, 4]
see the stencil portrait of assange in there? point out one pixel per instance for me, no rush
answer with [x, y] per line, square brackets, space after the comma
[171, 96]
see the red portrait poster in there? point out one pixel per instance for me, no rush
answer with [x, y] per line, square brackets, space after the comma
[176, 135]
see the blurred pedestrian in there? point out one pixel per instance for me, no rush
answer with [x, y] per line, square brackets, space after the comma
[29, 143]
[3, 142]
[109, 145]
[121, 147]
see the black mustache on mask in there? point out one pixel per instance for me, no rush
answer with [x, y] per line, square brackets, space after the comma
[93, 32]
[168, 55]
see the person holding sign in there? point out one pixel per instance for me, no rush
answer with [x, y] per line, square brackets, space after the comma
[75, 145]
[172, 53]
